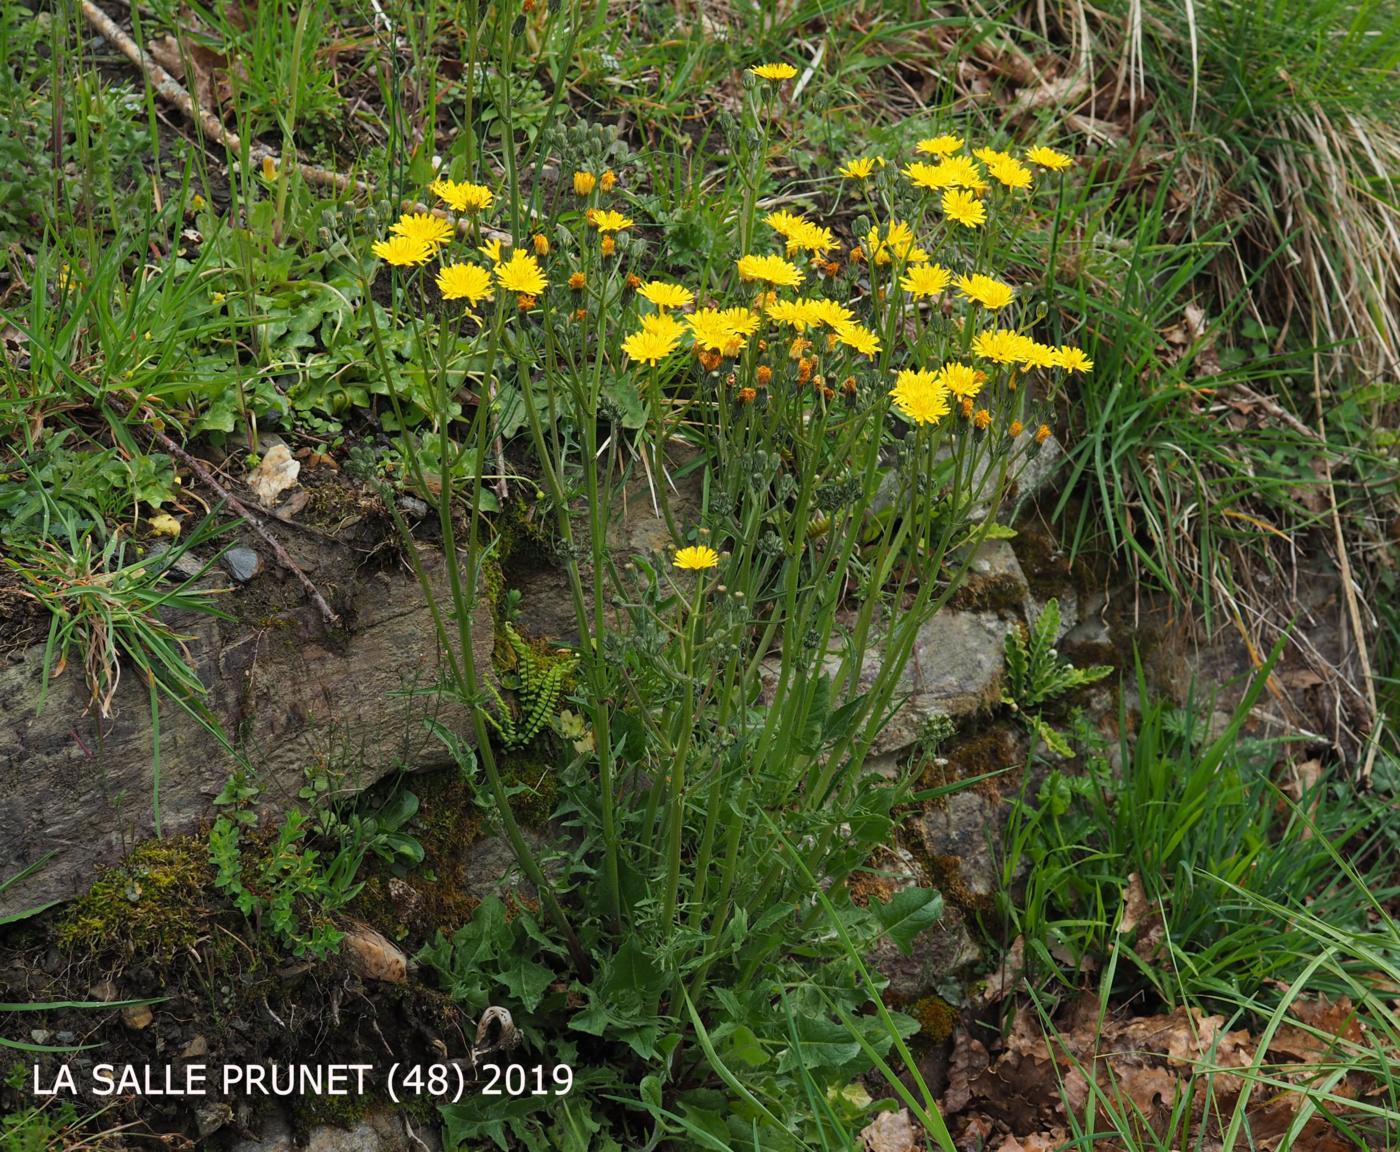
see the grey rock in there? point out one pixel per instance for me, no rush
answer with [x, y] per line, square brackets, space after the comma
[492, 869]
[185, 564]
[413, 506]
[212, 1115]
[274, 1135]
[242, 563]
[940, 953]
[963, 825]
[361, 1138]
[81, 786]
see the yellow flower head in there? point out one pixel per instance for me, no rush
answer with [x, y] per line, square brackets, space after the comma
[663, 324]
[462, 196]
[469, 282]
[921, 395]
[521, 274]
[1071, 359]
[1034, 354]
[964, 208]
[423, 226]
[857, 336]
[712, 331]
[799, 313]
[1000, 345]
[962, 380]
[584, 183]
[925, 280]
[991, 155]
[773, 269]
[861, 168]
[783, 222]
[1010, 172]
[985, 291]
[607, 220]
[696, 558]
[809, 237]
[665, 295]
[934, 177]
[744, 321]
[896, 244]
[831, 313]
[938, 145]
[648, 346]
[962, 172]
[491, 250]
[1043, 157]
[775, 72]
[403, 251]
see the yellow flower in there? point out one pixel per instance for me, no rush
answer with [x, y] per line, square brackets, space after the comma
[468, 282]
[584, 183]
[858, 337]
[990, 155]
[938, 145]
[744, 321]
[861, 168]
[925, 280]
[799, 313]
[663, 324]
[541, 244]
[920, 395]
[648, 345]
[696, 558]
[578, 281]
[1034, 354]
[609, 180]
[964, 208]
[403, 251]
[962, 380]
[830, 313]
[607, 220]
[425, 227]
[1044, 157]
[1072, 359]
[712, 331]
[491, 250]
[1001, 346]
[809, 237]
[984, 290]
[1010, 171]
[962, 172]
[773, 269]
[774, 72]
[665, 295]
[982, 420]
[896, 244]
[784, 222]
[934, 177]
[462, 197]
[521, 274]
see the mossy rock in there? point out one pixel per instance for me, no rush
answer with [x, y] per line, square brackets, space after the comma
[157, 903]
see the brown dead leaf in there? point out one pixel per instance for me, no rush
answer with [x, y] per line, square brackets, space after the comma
[276, 472]
[211, 87]
[890, 1132]
[1007, 973]
[1142, 917]
[372, 955]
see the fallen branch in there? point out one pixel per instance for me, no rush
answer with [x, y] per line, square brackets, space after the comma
[206, 477]
[170, 89]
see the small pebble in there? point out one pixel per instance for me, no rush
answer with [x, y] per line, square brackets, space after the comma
[413, 506]
[242, 564]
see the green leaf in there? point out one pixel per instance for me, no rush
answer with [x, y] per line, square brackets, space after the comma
[906, 915]
[821, 1044]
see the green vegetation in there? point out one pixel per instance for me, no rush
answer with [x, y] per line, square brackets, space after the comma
[815, 286]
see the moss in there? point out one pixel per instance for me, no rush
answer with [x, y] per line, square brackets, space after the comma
[1000, 592]
[311, 1111]
[946, 874]
[533, 785]
[155, 904]
[434, 895]
[937, 1018]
